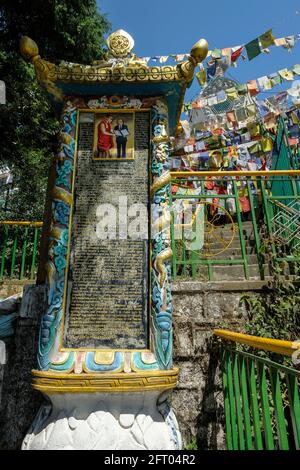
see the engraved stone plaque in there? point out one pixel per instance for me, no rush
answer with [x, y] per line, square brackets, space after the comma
[107, 290]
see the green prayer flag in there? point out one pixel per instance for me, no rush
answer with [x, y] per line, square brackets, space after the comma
[275, 79]
[216, 54]
[253, 49]
[267, 39]
[242, 88]
[296, 69]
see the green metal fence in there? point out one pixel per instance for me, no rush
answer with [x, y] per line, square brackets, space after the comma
[232, 235]
[19, 249]
[261, 399]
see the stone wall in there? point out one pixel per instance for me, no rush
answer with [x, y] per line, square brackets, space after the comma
[199, 308]
[11, 287]
[19, 402]
[197, 401]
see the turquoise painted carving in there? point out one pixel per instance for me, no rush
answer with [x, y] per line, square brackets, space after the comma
[161, 292]
[50, 356]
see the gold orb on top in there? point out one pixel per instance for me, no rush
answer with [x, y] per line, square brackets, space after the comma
[28, 48]
[120, 43]
[199, 50]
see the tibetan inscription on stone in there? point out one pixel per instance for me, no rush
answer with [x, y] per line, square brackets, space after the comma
[107, 290]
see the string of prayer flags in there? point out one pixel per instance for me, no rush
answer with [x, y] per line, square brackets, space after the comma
[253, 48]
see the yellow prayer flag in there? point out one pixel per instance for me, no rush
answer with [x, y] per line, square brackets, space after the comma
[267, 144]
[232, 93]
[295, 118]
[267, 39]
[201, 76]
[254, 129]
[254, 148]
[251, 110]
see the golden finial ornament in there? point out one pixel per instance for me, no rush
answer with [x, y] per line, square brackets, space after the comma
[29, 48]
[199, 50]
[198, 53]
[120, 43]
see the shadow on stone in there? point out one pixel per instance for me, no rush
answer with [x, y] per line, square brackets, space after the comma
[210, 421]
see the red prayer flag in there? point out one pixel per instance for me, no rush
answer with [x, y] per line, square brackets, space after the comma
[236, 54]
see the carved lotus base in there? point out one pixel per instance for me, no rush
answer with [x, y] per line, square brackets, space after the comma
[103, 421]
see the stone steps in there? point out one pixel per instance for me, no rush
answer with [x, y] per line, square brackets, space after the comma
[230, 272]
[235, 245]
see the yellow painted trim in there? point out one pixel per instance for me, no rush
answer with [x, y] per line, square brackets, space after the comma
[53, 382]
[221, 174]
[62, 195]
[103, 350]
[161, 181]
[112, 110]
[286, 348]
[21, 222]
[102, 357]
[114, 159]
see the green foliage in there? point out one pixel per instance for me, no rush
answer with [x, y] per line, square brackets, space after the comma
[276, 313]
[64, 30]
[71, 31]
[192, 445]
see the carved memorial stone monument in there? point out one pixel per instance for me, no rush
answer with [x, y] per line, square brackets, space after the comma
[105, 347]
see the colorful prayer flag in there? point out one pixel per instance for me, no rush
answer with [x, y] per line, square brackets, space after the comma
[201, 76]
[216, 54]
[267, 39]
[236, 53]
[286, 74]
[253, 49]
[252, 87]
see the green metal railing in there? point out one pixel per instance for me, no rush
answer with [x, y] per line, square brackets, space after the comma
[19, 249]
[261, 397]
[231, 238]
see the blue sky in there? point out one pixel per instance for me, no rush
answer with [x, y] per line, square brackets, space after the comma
[162, 27]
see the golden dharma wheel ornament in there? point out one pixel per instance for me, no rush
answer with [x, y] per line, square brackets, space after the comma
[120, 43]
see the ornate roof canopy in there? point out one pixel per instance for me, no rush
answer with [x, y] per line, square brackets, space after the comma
[119, 72]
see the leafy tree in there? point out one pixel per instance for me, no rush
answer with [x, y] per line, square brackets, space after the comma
[64, 30]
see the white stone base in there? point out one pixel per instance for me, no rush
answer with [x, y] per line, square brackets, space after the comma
[103, 421]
